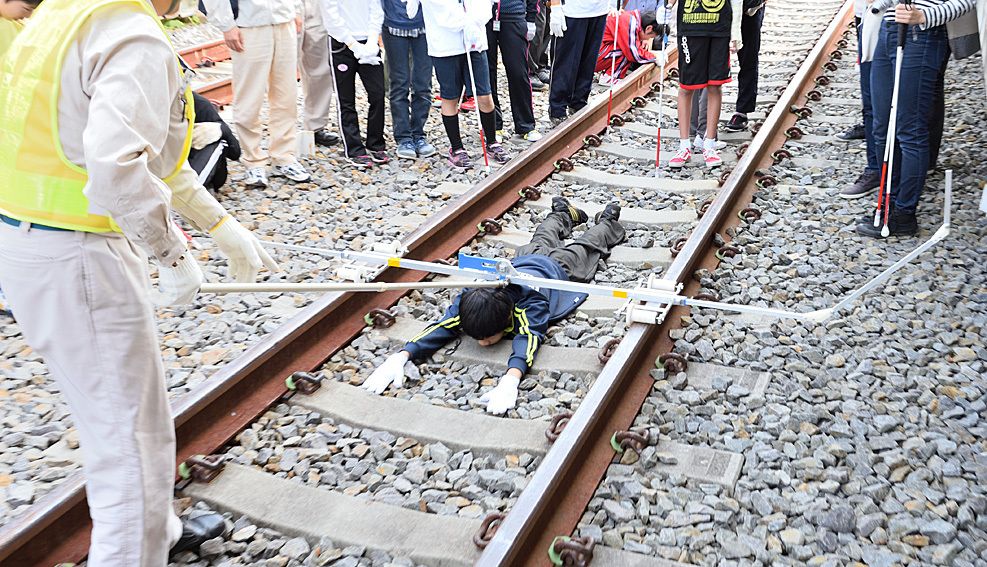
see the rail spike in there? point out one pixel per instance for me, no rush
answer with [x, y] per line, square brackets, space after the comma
[488, 528]
[673, 362]
[571, 551]
[557, 424]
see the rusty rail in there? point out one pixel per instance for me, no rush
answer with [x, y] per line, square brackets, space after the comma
[56, 528]
[564, 483]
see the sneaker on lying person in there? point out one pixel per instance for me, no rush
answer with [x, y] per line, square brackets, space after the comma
[562, 205]
[293, 171]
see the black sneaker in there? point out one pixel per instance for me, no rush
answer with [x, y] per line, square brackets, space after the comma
[556, 120]
[197, 531]
[325, 138]
[379, 156]
[737, 123]
[543, 75]
[854, 133]
[537, 85]
[561, 205]
[863, 186]
[899, 224]
[610, 212]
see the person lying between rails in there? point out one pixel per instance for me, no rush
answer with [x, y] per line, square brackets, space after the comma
[521, 312]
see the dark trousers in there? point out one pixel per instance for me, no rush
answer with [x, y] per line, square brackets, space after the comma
[345, 68]
[747, 58]
[922, 62]
[938, 115]
[410, 75]
[873, 160]
[538, 47]
[581, 257]
[513, 47]
[574, 64]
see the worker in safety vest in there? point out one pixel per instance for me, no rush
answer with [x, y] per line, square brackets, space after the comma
[95, 127]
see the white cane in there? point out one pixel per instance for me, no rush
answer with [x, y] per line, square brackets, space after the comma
[887, 171]
[661, 87]
[613, 63]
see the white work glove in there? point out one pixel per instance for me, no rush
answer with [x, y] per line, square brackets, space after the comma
[205, 133]
[370, 48]
[557, 17]
[245, 253]
[391, 371]
[473, 36]
[178, 282]
[532, 30]
[503, 397]
[661, 58]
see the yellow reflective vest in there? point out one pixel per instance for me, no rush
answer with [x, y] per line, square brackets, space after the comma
[38, 183]
[8, 31]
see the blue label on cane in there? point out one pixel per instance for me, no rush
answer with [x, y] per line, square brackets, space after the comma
[477, 263]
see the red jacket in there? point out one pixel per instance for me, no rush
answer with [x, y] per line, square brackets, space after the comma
[631, 45]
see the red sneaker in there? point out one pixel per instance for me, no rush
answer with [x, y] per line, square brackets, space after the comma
[680, 158]
[468, 105]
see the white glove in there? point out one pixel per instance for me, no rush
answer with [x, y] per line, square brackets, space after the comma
[370, 48]
[503, 397]
[661, 58]
[473, 35]
[375, 60]
[245, 253]
[532, 30]
[178, 283]
[557, 17]
[391, 371]
[205, 133]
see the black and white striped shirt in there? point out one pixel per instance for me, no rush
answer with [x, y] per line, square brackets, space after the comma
[937, 12]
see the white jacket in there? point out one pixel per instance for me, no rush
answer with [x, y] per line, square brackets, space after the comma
[445, 20]
[252, 13]
[589, 8]
[348, 21]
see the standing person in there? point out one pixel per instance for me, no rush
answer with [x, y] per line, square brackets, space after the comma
[578, 28]
[512, 26]
[538, 49]
[263, 41]
[870, 178]
[704, 43]
[354, 28]
[313, 64]
[410, 69]
[926, 51]
[455, 31]
[634, 31]
[90, 168]
[750, 32]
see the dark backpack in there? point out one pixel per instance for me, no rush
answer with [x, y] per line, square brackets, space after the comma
[234, 3]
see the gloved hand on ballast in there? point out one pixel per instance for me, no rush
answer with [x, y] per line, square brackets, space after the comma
[178, 281]
[504, 395]
[245, 253]
[391, 371]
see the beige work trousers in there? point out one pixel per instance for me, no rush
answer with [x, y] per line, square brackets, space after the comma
[81, 301]
[313, 61]
[266, 68]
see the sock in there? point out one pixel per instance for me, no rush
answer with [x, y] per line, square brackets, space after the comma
[451, 124]
[489, 123]
[699, 141]
[709, 144]
[684, 145]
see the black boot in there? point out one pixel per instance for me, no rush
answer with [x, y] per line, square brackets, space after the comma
[561, 205]
[610, 212]
[325, 138]
[198, 530]
[899, 224]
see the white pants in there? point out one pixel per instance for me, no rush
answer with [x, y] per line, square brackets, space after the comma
[313, 61]
[81, 301]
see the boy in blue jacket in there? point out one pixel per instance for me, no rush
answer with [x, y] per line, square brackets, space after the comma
[521, 312]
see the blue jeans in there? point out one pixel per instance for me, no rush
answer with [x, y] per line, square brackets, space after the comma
[873, 162]
[925, 53]
[409, 70]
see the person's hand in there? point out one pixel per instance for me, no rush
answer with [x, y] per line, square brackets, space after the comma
[375, 60]
[504, 395]
[906, 14]
[234, 40]
[391, 371]
[245, 253]
[736, 45]
[473, 36]
[178, 281]
[661, 58]
[205, 133]
[532, 29]
[557, 24]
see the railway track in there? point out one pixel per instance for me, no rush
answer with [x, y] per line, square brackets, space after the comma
[560, 479]
[214, 71]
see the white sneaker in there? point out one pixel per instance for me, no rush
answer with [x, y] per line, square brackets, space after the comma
[256, 177]
[293, 171]
[697, 144]
[533, 136]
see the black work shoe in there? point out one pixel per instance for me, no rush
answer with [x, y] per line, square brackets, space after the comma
[325, 138]
[899, 224]
[537, 85]
[198, 530]
[854, 133]
[543, 75]
[561, 205]
[610, 212]
[737, 123]
[867, 182]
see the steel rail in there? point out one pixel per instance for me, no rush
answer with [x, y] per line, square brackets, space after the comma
[562, 486]
[56, 528]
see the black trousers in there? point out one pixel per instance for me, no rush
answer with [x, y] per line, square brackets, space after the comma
[345, 68]
[513, 47]
[581, 257]
[750, 33]
[574, 64]
[937, 116]
[538, 46]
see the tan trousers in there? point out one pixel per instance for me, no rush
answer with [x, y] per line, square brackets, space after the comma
[266, 68]
[313, 61]
[81, 301]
